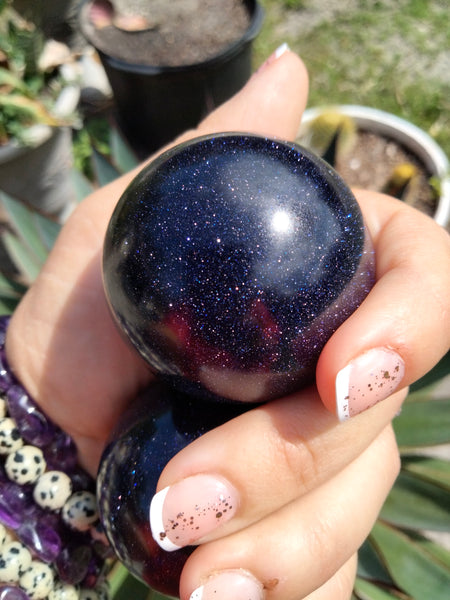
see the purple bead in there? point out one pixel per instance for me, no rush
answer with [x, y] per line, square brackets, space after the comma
[61, 453]
[72, 564]
[4, 322]
[41, 539]
[93, 573]
[102, 550]
[6, 379]
[32, 423]
[16, 502]
[11, 592]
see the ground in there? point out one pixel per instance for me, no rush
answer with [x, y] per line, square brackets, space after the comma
[391, 54]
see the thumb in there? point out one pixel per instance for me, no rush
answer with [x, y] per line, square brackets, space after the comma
[271, 103]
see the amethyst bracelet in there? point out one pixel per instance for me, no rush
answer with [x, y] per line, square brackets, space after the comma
[51, 544]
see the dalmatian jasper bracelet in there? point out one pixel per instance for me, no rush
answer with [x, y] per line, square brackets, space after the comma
[50, 547]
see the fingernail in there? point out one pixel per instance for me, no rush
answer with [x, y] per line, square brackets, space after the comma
[239, 585]
[366, 380]
[278, 53]
[188, 510]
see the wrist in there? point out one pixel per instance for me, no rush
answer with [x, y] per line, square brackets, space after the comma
[47, 502]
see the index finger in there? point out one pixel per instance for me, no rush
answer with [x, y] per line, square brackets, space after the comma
[402, 328]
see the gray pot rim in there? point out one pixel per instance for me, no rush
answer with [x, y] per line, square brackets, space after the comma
[39, 133]
[408, 134]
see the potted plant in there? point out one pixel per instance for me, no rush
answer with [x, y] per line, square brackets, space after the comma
[37, 101]
[377, 150]
[170, 63]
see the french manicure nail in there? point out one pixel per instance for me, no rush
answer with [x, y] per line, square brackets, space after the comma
[278, 53]
[188, 510]
[238, 585]
[366, 380]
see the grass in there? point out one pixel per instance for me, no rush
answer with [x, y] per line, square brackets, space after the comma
[392, 55]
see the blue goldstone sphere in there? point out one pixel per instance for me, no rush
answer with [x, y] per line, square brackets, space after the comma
[229, 262]
[159, 424]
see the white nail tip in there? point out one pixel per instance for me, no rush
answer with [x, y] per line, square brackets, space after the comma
[342, 393]
[197, 594]
[281, 50]
[157, 524]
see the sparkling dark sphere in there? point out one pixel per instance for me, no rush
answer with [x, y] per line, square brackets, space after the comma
[159, 424]
[230, 261]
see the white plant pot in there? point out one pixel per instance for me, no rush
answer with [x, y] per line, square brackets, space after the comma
[410, 136]
[40, 176]
[39, 173]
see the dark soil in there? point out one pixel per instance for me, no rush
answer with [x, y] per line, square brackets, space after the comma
[185, 32]
[370, 163]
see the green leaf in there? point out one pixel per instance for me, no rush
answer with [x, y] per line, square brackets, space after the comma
[122, 156]
[47, 229]
[153, 595]
[21, 256]
[29, 108]
[123, 586]
[8, 305]
[22, 220]
[11, 293]
[104, 170]
[435, 470]
[442, 369]
[412, 568]
[369, 591]
[435, 549]
[13, 81]
[10, 288]
[82, 185]
[417, 504]
[423, 423]
[370, 566]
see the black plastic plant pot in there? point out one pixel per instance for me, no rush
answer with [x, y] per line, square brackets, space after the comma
[154, 104]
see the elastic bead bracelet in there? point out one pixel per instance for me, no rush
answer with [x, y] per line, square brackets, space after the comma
[51, 544]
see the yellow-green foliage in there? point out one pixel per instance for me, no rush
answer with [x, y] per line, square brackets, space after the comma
[25, 92]
[331, 127]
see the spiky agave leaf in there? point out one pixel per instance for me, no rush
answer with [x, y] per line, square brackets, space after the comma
[403, 558]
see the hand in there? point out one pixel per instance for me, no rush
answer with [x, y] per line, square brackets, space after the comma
[308, 488]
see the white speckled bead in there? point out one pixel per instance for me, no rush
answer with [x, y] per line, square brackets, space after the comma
[64, 591]
[15, 559]
[25, 465]
[5, 536]
[37, 581]
[3, 411]
[52, 490]
[10, 439]
[80, 511]
[2, 536]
